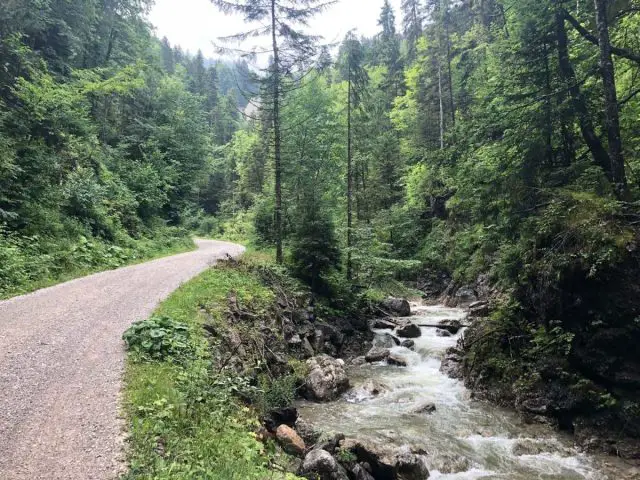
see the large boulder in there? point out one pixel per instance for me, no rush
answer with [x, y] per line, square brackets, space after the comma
[377, 354]
[398, 307]
[452, 363]
[385, 340]
[327, 379]
[479, 309]
[290, 441]
[386, 462]
[321, 465]
[361, 473]
[465, 296]
[408, 330]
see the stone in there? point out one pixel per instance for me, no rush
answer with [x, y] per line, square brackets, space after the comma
[448, 464]
[443, 333]
[410, 466]
[386, 462]
[290, 441]
[410, 344]
[452, 363]
[321, 465]
[408, 330]
[295, 340]
[479, 309]
[451, 325]
[374, 387]
[361, 473]
[465, 296]
[377, 354]
[397, 359]
[358, 361]
[329, 442]
[382, 324]
[398, 307]
[385, 340]
[308, 349]
[275, 418]
[308, 432]
[427, 407]
[326, 380]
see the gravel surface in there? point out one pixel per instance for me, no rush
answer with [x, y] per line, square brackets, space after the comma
[61, 364]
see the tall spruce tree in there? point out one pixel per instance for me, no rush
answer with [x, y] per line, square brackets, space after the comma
[353, 71]
[291, 51]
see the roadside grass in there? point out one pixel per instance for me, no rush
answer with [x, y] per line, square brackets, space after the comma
[27, 269]
[184, 415]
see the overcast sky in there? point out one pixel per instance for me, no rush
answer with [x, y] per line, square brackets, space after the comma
[196, 24]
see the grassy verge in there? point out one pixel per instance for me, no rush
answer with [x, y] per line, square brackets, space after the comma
[182, 401]
[29, 264]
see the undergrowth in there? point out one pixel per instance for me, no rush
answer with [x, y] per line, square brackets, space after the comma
[186, 419]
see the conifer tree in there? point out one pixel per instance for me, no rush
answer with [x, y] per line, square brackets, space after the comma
[291, 52]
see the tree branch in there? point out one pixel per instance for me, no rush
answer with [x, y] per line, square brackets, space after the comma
[587, 35]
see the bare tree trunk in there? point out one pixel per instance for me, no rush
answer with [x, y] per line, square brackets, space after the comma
[276, 135]
[612, 116]
[441, 106]
[349, 180]
[598, 152]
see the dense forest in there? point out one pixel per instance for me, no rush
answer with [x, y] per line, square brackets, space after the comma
[491, 146]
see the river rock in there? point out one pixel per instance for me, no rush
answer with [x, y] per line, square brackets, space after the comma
[451, 325]
[408, 330]
[397, 359]
[443, 333]
[377, 354]
[398, 307]
[410, 344]
[358, 361]
[427, 407]
[308, 432]
[361, 473]
[385, 340]
[386, 462]
[448, 464]
[452, 363]
[327, 379]
[290, 441]
[320, 464]
[382, 324]
[479, 309]
[465, 296]
[374, 387]
[282, 416]
[329, 442]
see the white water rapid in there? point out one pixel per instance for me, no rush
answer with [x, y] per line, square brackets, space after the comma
[464, 439]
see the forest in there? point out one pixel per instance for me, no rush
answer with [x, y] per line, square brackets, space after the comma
[484, 145]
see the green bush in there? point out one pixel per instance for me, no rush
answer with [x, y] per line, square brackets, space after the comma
[159, 338]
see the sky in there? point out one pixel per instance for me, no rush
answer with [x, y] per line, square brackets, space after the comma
[196, 24]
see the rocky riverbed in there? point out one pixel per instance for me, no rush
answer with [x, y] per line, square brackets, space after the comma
[399, 416]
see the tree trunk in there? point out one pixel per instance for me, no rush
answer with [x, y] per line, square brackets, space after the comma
[276, 135]
[599, 154]
[612, 117]
[441, 106]
[349, 180]
[447, 39]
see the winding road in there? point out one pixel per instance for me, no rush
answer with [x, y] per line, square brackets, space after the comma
[61, 366]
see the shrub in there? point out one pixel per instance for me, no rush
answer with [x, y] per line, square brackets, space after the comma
[159, 338]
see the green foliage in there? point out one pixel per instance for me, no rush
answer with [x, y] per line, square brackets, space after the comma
[158, 338]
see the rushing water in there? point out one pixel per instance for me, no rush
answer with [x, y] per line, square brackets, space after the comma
[464, 439]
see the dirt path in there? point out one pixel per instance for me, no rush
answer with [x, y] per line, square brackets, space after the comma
[61, 362]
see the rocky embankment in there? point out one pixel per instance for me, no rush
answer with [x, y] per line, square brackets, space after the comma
[335, 456]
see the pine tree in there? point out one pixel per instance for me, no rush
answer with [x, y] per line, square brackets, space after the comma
[291, 52]
[412, 20]
[389, 53]
[352, 70]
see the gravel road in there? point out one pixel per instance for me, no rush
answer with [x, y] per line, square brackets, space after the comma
[61, 364]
